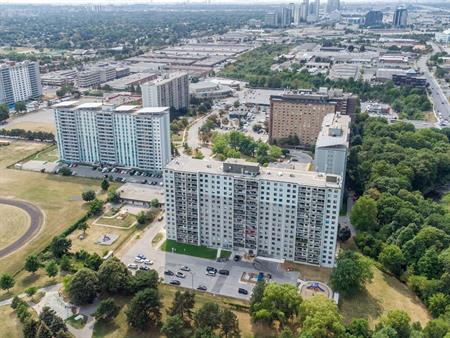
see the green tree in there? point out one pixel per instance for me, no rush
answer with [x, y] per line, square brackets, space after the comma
[392, 259]
[437, 328]
[364, 214]
[113, 197]
[143, 280]
[182, 305]
[144, 309]
[319, 317]
[83, 287]
[359, 327]
[60, 246]
[154, 203]
[229, 324]
[208, 317]
[385, 332]
[65, 171]
[6, 282]
[65, 263]
[257, 296]
[51, 268]
[4, 112]
[96, 206]
[173, 327]
[20, 106]
[351, 274]
[104, 185]
[113, 276]
[83, 226]
[32, 264]
[107, 310]
[280, 302]
[52, 321]
[141, 218]
[88, 195]
[438, 303]
[398, 320]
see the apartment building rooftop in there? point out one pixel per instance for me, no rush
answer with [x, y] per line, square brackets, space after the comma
[239, 167]
[65, 104]
[335, 131]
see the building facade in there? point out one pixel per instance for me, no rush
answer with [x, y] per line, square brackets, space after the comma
[126, 136]
[19, 81]
[300, 115]
[373, 18]
[330, 156]
[170, 90]
[443, 37]
[333, 5]
[400, 17]
[284, 214]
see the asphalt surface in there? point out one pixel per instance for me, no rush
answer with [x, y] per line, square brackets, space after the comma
[37, 219]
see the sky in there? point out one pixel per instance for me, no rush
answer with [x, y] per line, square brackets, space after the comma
[75, 2]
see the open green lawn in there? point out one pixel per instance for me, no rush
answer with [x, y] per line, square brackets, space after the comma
[14, 222]
[188, 249]
[49, 154]
[119, 328]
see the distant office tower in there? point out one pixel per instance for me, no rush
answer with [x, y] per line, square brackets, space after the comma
[170, 90]
[373, 18]
[125, 136]
[296, 15]
[314, 10]
[332, 146]
[298, 116]
[271, 19]
[286, 17]
[304, 12]
[400, 17]
[19, 81]
[333, 5]
[276, 213]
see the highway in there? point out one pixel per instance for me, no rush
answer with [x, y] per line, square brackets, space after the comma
[440, 102]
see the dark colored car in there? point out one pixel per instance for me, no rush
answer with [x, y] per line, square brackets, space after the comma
[211, 269]
[224, 272]
[168, 273]
[175, 282]
[243, 291]
[237, 258]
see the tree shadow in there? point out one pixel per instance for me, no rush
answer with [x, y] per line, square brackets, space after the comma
[360, 305]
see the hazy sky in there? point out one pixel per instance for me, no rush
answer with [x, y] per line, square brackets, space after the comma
[170, 1]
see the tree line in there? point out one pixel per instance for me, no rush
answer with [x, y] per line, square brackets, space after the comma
[28, 134]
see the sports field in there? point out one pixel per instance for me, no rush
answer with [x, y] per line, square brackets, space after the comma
[14, 222]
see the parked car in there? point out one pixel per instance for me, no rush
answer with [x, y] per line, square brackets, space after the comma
[242, 291]
[180, 274]
[144, 268]
[237, 258]
[210, 268]
[168, 273]
[185, 268]
[202, 288]
[210, 273]
[148, 262]
[175, 282]
[224, 272]
[132, 266]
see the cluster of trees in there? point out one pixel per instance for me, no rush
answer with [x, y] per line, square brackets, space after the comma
[236, 144]
[281, 306]
[254, 67]
[393, 167]
[27, 134]
[205, 132]
[178, 125]
[4, 112]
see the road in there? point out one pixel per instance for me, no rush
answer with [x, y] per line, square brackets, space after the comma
[440, 102]
[36, 217]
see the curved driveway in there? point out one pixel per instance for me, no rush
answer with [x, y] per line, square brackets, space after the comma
[36, 217]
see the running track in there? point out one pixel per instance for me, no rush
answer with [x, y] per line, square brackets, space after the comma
[37, 218]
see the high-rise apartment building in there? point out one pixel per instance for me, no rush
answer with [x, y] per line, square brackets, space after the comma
[236, 205]
[330, 156]
[304, 10]
[373, 18]
[125, 136]
[271, 19]
[400, 17]
[314, 11]
[286, 17]
[19, 81]
[170, 90]
[300, 114]
[333, 5]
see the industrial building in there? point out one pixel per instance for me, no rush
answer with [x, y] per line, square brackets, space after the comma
[282, 214]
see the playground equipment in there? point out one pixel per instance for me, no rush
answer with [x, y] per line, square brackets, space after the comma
[315, 286]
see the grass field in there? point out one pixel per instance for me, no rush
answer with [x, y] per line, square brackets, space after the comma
[59, 197]
[9, 324]
[50, 154]
[384, 293]
[33, 126]
[14, 222]
[119, 328]
[190, 250]
[124, 223]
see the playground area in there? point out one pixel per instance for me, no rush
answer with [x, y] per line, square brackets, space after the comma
[309, 289]
[119, 219]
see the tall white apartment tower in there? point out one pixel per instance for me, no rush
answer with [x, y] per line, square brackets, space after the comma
[126, 136]
[170, 90]
[330, 156]
[19, 81]
[236, 205]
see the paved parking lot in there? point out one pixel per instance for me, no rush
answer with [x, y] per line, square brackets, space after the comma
[223, 285]
[87, 171]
